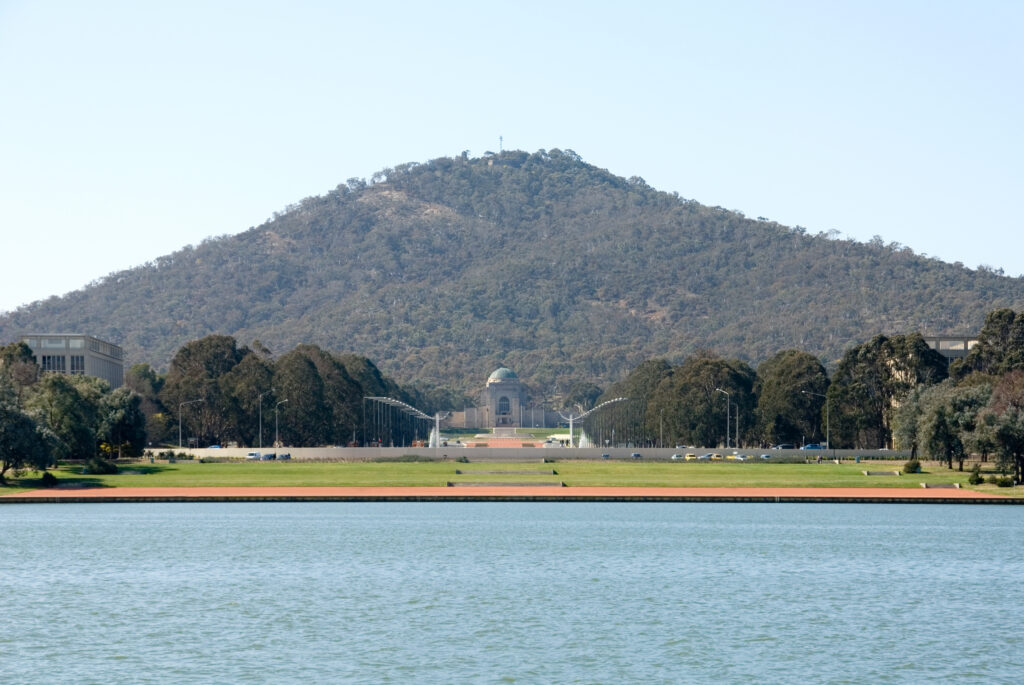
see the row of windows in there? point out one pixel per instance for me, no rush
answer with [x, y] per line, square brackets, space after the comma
[58, 362]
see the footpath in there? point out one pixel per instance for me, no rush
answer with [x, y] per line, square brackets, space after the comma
[525, 493]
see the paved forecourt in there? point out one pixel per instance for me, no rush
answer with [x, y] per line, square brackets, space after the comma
[523, 493]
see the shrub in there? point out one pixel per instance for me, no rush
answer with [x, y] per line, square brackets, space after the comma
[101, 466]
[48, 480]
[1004, 482]
[976, 478]
[912, 466]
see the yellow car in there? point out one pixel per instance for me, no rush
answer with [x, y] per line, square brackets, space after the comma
[716, 457]
[690, 457]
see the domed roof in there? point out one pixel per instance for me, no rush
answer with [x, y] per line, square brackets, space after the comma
[502, 374]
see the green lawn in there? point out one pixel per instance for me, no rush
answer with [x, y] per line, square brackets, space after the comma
[573, 473]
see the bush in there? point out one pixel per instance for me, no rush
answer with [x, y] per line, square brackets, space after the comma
[1004, 482]
[48, 480]
[976, 477]
[912, 466]
[100, 466]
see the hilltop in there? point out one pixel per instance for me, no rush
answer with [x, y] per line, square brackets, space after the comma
[442, 271]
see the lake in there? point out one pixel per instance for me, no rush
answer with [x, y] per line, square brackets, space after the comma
[511, 592]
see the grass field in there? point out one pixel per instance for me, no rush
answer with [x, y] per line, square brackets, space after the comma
[572, 473]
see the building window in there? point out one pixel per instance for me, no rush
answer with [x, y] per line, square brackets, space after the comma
[76, 344]
[52, 343]
[52, 362]
[503, 406]
[77, 364]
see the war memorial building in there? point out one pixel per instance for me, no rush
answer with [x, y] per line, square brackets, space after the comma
[504, 402]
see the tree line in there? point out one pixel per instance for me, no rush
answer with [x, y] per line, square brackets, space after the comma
[889, 392]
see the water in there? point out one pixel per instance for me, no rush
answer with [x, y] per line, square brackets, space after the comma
[511, 592]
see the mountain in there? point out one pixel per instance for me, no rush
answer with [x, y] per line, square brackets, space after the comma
[441, 272]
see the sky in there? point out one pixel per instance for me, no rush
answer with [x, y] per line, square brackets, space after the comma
[131, 129]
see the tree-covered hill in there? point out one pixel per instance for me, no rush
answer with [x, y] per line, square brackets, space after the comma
[441, 272]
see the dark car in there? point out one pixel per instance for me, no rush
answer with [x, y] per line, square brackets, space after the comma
[269, 456]
[636, 455]
[284, 455]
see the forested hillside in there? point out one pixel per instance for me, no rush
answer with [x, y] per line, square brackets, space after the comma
[441, 272]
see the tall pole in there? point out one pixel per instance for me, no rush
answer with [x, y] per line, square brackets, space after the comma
[276, 434]
[180, 405]
[728, 401]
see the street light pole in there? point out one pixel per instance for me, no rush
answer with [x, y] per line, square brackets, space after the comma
[828, 438]
[180, 405]
[276, 435]
[259, 399]
[728, 402]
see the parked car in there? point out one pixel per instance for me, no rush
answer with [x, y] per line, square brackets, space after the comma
[704, 457]
[676, 457]
[813, 446]
[284, 455]
[253, 455]
[716, 457]
[691, 457]
[606, 456]
[636, 455]
[766, 456]
[269, 456]
[784, 446]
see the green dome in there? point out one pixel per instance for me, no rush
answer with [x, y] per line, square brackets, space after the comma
[502, 374]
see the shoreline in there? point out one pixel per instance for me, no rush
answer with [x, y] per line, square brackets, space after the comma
[507, 494]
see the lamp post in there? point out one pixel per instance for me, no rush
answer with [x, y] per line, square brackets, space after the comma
[276, 435]
[828, 440]
[180, 405]
[728, 402]
[259, 399]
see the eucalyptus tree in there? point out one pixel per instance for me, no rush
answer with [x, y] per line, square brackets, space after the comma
[196, 373]
[695, 402]
[872, 379]
[790, 392]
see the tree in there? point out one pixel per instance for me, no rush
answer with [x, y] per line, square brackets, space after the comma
[872, 379]
[22, 443]
[1000, 346]
[582, 394]
[789, 390]
[69, 407]
[195, 373]
[692, 408]
[308, 417]
[1007, 404]
[147, 383]
[18, 368]
[122, 425]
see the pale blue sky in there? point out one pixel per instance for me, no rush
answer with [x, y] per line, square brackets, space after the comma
[130, 129]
